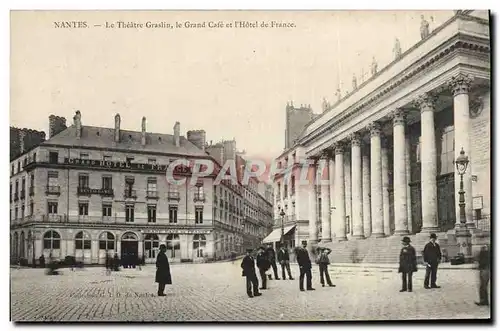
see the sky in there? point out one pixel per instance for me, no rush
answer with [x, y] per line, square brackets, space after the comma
[233, 83]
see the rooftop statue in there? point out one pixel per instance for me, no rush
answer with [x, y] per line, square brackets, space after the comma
[397, 49]
[374, 66]
[424, 28]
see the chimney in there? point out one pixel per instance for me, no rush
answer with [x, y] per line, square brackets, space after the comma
[143, 138]
[77, 120]
[57, 124]
[177, 132]
[117, 128]
[22, 135]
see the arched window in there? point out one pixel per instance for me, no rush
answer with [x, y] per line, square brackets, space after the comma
[51, 240]
[22, 245]
[129, 236]
[173, 245]
[199, 244]
[107, 241]
[82, 240]
[151, 244]
[15, 249]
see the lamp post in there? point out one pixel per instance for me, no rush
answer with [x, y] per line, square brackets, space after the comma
[282, 214]
[462, 234]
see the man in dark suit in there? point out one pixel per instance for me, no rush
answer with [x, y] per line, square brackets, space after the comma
[284, 260]
[305, 266]
[407, 264]
[263, 265]
[271, 256]
[248, 266]
[163, 276]
[432, 257]
[484, 275]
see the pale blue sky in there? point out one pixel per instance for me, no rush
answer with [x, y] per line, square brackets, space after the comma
[230, 82]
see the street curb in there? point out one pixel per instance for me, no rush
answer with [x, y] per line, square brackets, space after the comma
[446, 266]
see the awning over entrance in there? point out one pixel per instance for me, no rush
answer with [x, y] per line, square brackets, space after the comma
[276, 234]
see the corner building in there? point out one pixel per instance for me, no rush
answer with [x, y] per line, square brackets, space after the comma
[386, 150]
[90, 191]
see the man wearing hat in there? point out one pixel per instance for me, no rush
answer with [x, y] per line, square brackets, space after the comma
[305, 266]
[407, 264]
[271, 256]
[432, 257]
[163, 276]
[248, 266]
[284, 260]
[263, 265]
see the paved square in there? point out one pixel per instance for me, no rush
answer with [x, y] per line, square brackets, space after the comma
[216, 292]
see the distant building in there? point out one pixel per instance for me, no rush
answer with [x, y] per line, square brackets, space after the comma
[296, 121]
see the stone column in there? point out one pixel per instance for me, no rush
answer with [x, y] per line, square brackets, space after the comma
[408, 180]
[367, 213]
[340, 192]
[460, 87]
[347, 187]
[313, 234]
[356, 188]
[326, 232]
[426, 104]
[385, 186]
[400, 183]
[376, 181]
[331, 177]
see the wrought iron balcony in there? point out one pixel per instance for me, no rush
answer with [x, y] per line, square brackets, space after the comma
[53, 218]
[131, 194]
[53, 190]
[174, 196]
[199, 197]
[152, 194]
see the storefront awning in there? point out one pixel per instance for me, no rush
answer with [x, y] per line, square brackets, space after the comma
[276, 234]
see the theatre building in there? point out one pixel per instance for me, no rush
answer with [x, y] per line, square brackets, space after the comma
[386, 150]
[90, 191]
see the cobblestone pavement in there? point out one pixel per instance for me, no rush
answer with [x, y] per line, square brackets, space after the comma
[216, 292]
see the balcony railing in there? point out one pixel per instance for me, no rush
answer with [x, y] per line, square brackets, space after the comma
[85, 190]
[130, 194]
[23, 194]
[198, 196]
[16, 196]
[174, 196]
[53, 190]
[54, 218]
[32, 190]
[152, 194]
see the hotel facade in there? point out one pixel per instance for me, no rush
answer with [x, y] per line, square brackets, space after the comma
[386, 150]
[90, 191]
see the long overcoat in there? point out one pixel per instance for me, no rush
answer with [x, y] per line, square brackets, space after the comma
[163, 269]
[407, 259]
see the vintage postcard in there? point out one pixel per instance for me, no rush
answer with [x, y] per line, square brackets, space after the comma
[250, 166]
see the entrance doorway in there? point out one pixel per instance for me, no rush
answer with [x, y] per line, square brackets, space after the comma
[129, 249]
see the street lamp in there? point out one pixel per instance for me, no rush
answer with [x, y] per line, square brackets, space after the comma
[461, 163]
[282, 214]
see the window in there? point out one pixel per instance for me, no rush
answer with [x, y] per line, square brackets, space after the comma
[83, 208]
[199, 244]
[107, 241]
[292, 185]
[52, 207]
[83, 181]
[106, 157]
[151, 161]
[151, 244]
[51, 240]
[129, 213]
[18, 166]
[15, 213]
[12, 170]
[17, 187]
[32, 180]
[84, 156]
[34, 157]
[53, 157]
[151, 214]
[82, 240]
[130, 159]
[32, 208]
[10, 194]
[198, 215]
[107, 182]
[23, 185]
[22, 211]
[106, 210]
[173, 245]
[151, 188]
[172, 214]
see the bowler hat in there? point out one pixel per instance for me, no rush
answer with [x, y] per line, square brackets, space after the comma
[249, 250]
[406, 240]
[162, 246]
[433, 236]
[304, 242]
[262, 247]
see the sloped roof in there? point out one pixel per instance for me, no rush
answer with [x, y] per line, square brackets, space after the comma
[100, 137]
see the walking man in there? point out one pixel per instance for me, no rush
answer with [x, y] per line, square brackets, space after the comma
[407, 264]
[284, 260]
[323, 261]
[305, 266]
[163, 276]
[271, 255]
[248, 266]
[263, 265]
[432, 257]
[484, 275]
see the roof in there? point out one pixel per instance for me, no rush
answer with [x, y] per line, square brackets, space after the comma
[100, 137]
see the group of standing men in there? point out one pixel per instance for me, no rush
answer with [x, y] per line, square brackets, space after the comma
[266, 259]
